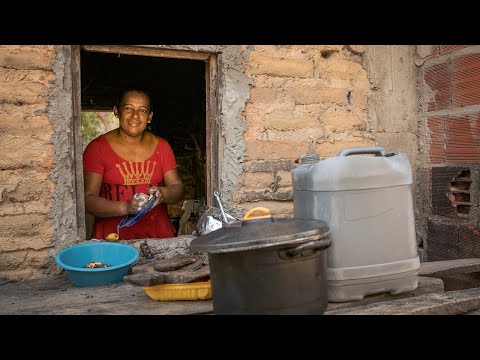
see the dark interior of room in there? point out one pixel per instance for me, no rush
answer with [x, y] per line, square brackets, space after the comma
[178, 94]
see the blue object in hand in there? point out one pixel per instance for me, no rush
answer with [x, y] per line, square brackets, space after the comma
[130, 220]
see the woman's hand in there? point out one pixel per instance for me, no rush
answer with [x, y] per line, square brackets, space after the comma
[155, 190]
[134, 205]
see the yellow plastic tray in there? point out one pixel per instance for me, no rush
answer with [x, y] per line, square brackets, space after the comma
[189, 291]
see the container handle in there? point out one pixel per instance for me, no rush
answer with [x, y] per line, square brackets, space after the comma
[316, 245]
[378, 151]
[262, 210]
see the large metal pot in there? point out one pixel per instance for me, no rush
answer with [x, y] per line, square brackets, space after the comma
[268, 266]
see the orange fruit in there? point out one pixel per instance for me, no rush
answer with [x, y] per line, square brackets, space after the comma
[112, 237]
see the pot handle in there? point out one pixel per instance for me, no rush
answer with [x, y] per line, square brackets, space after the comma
[265, 213]
[316, 245]
[264, 216]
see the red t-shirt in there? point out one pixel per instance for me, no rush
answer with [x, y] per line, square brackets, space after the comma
[122, 179]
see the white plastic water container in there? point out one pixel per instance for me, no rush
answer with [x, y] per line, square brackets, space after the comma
[367, 203]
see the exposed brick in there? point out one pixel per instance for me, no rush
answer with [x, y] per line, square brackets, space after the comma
[338, 68]
[284, 123]
[357, 48]
[315, 110]
[469, 241]
[427, 51]
[318, 95]
[462, 154]
[359, 100]
[34, 242]
[24, 225]
[25, 274]
[436, 134]
[448, 49]
[257, 180]
[38, 127]
[295, 51]
[463, 139]
[16, 112]
[274, 150]
[28, 93]
[264, 95]
[27, 57]
[262, 64]
[328, 149]
[466, 80]
[24, 185]
[318, 48]
[285, 178]
[12, 76]
[463, 129]
[26, 264]
[257, 195]
[25, 151]
[441, 179]
[295, 136]
[341, 121]
[269, 165]
[32, 207]
[439, 78]
[442, 241]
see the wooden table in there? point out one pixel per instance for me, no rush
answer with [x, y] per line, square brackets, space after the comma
[445, 288]
[57, 296]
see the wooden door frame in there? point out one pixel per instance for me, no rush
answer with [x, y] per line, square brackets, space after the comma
[212, 168]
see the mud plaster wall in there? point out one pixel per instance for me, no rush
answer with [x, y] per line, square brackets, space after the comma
[275, 104]
[322, 99]
[36, 191]
[279, 102]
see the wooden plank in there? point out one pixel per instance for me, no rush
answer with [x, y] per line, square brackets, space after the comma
[448, 303]
[426, 285]
[56, 296]
[212, 131]
[440, 269]
[78, 143]
[148, 51]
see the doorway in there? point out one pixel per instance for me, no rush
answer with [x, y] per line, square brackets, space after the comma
[182, 86]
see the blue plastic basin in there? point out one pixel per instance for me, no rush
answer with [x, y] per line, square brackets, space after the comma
[75, 258]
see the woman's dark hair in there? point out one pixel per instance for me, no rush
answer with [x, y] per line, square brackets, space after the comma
[123, 92]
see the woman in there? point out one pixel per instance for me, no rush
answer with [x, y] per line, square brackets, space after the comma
[126, 161]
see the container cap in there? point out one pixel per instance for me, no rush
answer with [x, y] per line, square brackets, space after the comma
[255, 235]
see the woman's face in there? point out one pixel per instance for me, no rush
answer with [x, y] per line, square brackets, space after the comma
[134, 113]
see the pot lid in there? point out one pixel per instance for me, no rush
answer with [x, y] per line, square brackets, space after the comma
[256, 234]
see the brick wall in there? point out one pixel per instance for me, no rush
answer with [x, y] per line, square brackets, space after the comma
[302, 99]
[450, 76]
[26, 161]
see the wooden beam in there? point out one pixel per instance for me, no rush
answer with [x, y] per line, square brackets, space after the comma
[212, 131]
[148, 51]
[78, 143]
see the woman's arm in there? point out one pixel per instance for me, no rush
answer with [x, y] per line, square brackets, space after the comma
[102, 207]
[172, 192]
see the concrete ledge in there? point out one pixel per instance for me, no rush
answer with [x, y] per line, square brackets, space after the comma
[448, 303]
[426, 285]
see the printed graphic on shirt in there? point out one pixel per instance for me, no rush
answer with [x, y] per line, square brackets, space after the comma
[135, 174]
